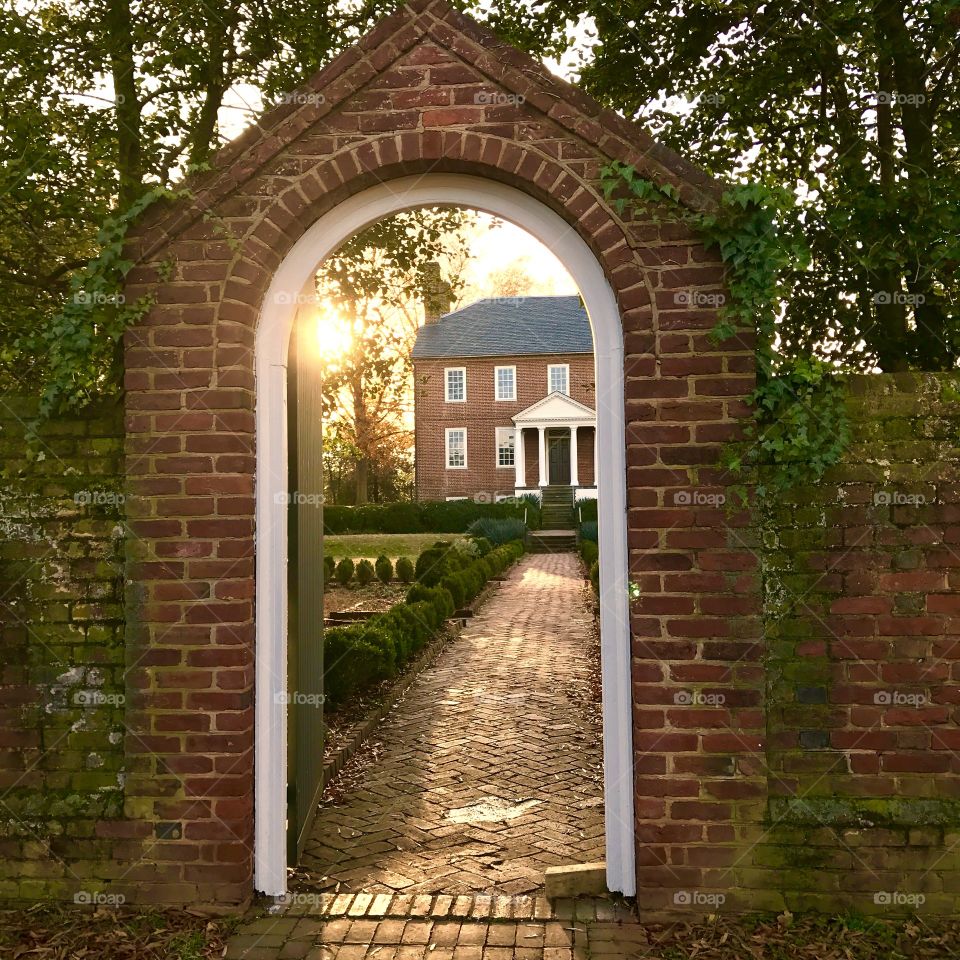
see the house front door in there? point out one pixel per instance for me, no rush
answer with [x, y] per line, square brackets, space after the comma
[559, 460]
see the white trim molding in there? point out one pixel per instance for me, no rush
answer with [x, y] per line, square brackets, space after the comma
[446, 448]
[502, 436]
[446, 384]
[295, 277]
[513, 383]
[565, 367]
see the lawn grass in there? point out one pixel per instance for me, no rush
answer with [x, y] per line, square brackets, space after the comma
[371, 545]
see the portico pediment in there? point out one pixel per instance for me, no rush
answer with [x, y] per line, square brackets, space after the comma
[556, 408]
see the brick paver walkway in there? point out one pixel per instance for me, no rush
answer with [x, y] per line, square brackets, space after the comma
[489, 771]
[444, 928]
[491, 767]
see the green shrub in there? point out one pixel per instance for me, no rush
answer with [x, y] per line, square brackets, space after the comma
[587, 510]
[595, 577]
[329, 565]
[405, 569]
[425, 612]
[588, 530]
[530, 510]
[435, 562]
[354, 658]
[589, 553]
[365, 573]
[437, 596]
[484, 546]
[498, 531]
[384, 569]
[344, 571]
[454, 584]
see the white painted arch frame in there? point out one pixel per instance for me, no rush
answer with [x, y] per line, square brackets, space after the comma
[294, 278]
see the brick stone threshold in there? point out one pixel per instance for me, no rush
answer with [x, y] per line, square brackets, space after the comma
[466, 908]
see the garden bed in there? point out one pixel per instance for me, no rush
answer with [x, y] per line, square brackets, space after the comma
[376, 597]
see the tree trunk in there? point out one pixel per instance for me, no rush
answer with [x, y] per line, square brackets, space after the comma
[361, 430]
[118, 31]
[361, 477]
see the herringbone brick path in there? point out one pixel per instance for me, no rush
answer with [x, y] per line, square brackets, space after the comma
[491, 767]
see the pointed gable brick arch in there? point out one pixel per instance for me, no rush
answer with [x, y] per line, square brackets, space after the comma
[427, 91]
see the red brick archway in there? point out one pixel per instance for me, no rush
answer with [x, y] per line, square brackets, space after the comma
[427, 91]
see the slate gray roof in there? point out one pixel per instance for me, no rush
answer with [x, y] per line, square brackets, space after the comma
[506, 327]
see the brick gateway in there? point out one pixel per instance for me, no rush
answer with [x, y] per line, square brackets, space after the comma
[429, 92]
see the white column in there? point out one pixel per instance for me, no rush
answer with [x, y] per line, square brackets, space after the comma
[542, 454]
[596, 463]
[519, 459]
[574, 479]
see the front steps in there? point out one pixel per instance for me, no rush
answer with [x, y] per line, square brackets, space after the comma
[552, 541]
[557, 507]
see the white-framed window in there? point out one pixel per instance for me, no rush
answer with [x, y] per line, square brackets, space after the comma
[505, 383]
[456, 448]
[558, 378]
[455, 384]
[506, 447]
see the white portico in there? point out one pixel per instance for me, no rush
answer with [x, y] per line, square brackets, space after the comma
[557, 420]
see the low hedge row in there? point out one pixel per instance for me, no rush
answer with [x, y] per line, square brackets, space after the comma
[365, 572]
[428, 516]
[362, 654]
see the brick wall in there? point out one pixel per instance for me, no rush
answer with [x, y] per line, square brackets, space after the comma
[428, 91]
[481, 414]
[61, 655]
[796, 624]
[863, 658]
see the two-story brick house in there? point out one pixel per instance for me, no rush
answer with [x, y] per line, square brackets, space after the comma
[505, 399]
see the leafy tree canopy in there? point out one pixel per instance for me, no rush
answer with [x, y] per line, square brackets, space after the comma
[855, 106]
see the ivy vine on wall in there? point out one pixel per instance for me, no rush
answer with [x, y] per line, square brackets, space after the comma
[799, 425]
[84, 340]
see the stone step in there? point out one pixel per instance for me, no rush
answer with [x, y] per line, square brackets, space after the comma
[552, 541]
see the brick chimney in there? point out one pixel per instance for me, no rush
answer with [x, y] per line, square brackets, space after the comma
[437, 293]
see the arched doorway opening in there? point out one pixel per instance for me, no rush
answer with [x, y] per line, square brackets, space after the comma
[291, 282]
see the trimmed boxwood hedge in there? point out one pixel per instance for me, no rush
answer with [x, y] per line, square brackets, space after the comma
[362, 654]
[427, 516]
